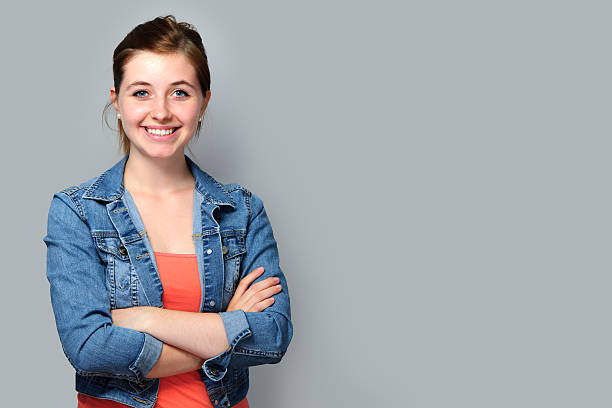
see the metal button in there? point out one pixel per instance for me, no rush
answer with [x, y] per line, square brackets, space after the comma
[209, 251]
[214, 372]
[212, 303]
[122, 250]
[225, 250]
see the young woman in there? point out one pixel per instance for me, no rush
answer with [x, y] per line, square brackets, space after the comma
[165, 284]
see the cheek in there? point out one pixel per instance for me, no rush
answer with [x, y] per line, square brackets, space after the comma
[188, 113]
[133, 112]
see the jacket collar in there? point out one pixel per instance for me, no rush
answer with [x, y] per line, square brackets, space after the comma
[109, 185]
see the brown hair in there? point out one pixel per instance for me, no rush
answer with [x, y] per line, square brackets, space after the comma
[161, 35]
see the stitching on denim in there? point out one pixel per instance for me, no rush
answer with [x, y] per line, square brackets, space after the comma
[110, 250]
[224, 234]
[247, 201]
[95, 184]
[234, 254]
[221, 187]
[90, 374]
[235, 241]
[143, 291]
[104, 234]
[130, 239]
[70, 193]
[260, 353]
[227, 385]
[205, 233]
[111, 267]
[95, 373]
[133, 285]
[238, 381]
[233, 233]
[218, 391]
[70, 190]
[235, 188]
[242, 335]
[232, 271]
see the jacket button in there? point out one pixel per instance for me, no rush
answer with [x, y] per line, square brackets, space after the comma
[215, 373]
[122, 250]
[225, 250]
[209, 251]
[212, 303]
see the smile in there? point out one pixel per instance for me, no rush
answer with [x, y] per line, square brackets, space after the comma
[160, 134]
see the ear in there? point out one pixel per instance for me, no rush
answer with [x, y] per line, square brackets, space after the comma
[114, 99]
[206, 99]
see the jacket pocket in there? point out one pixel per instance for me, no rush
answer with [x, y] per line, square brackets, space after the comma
[234, 248]
[120, 273]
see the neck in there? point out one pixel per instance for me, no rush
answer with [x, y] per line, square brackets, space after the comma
[155, 175]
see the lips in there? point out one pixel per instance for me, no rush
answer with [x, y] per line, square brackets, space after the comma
[160, 133]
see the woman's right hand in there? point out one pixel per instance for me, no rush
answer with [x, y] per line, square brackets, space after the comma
[254, 297]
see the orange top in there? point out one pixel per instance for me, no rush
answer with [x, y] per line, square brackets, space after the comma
[182, 291]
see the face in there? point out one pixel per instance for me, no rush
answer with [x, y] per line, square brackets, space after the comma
[160, 102]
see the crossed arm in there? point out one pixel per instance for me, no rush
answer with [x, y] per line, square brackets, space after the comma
[189, 338]
[158, 342]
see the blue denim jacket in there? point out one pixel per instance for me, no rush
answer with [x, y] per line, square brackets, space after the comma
[99, 258]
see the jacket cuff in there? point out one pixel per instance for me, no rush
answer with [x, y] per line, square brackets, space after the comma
[149, 354]
[236, 328]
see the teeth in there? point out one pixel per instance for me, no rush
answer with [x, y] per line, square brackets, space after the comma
[160, 132]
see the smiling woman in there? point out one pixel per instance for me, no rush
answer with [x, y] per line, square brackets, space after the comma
[159, 103]
[159, 274]
[162, 36]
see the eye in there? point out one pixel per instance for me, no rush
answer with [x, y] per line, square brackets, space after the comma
[180, 93]
[140, 94]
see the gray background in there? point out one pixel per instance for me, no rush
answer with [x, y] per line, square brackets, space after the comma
[437, 175]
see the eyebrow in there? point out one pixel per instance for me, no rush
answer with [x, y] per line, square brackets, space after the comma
[176, 83]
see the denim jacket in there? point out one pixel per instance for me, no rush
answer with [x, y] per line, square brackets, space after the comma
[99, 258]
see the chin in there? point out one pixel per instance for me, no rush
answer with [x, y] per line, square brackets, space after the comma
[162, 152]
[167, 155]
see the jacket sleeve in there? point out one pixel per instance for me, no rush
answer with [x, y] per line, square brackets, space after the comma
[79, 296]
[256, 337]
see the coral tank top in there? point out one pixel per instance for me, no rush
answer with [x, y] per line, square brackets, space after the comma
[182, 291]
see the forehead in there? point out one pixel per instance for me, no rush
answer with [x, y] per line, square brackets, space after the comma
[158, 69]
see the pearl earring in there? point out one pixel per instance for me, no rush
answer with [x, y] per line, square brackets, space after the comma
[118, 116]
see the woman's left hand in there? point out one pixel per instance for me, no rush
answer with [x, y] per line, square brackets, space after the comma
[135, 318]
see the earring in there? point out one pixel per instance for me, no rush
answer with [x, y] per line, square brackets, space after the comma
[200, 120]
[118, 116]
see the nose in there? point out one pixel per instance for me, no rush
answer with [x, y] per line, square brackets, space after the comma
[160, 111]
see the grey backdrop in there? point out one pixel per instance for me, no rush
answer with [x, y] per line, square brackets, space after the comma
[437, 174]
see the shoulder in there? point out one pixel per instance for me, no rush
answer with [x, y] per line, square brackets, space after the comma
[244, 197]
[77, 190]
[97, 191]
[72, 196]
[232, 197]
